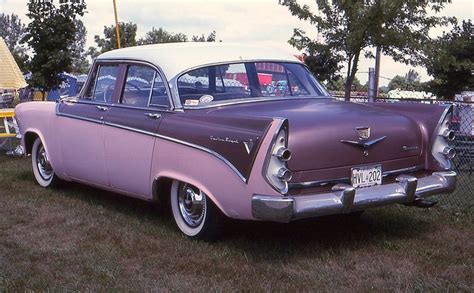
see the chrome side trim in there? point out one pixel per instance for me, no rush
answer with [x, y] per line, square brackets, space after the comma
[319, 183]
[230, 165]
[253, 100]
[81, 118]
[344, 198]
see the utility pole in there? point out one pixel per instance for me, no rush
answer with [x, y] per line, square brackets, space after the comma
[372, 91]
[117, 30]
[377, 70]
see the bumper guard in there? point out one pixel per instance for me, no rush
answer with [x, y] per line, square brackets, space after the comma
[344, 198]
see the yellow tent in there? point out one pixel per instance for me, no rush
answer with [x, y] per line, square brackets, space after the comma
[10, 75]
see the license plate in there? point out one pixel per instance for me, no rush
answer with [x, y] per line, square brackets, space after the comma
[366, 176]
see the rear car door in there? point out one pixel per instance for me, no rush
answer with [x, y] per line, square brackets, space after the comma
[81, 126]
[130, 128]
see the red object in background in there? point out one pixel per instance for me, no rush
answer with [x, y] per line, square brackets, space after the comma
[263, 78]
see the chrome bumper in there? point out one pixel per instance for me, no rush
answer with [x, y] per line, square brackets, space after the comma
[345, 198]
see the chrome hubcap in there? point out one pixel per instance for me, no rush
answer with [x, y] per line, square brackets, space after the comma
[192, 204]
[42, 161]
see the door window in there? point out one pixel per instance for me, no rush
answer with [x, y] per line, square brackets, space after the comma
[102, 88]
[144, 87]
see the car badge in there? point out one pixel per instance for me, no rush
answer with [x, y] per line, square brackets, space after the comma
[249, 145]
[363, 132]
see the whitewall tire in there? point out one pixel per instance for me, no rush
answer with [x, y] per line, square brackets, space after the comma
[194, 213]
[42, 169]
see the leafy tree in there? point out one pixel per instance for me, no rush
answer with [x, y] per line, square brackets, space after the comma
[128, 33]
[322, 61]
[397, 82]
[210, 38]
[12, 30]
[412, 76]
[409, 82]
[450, 60]
[50, 34]
[160, 35]
[398, 27]
[80, 64]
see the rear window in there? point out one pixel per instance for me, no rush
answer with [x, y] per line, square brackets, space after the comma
[240, 81]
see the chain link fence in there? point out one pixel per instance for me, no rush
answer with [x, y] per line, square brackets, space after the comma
[463, 125]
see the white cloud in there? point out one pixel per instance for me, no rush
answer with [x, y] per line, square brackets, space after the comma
[258, 21]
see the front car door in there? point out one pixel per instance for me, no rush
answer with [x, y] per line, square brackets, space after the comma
[81, 126]
[130, 127]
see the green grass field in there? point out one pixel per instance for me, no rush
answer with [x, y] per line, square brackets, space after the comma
[80, 238]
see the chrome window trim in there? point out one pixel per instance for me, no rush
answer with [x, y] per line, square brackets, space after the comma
[319, 183]
[178, 105]
[217, 155]
[166, 83]
[254, 100]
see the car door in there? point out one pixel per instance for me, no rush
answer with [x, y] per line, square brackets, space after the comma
[130, 127]
[81, 126]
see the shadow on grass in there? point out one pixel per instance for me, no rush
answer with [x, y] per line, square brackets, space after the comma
[264, 240]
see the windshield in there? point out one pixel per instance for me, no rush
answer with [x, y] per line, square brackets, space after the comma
[250, 80]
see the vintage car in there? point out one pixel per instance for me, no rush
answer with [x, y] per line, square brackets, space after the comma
[192, 125]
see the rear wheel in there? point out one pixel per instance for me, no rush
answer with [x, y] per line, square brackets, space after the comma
[194, 213]
[42, 169]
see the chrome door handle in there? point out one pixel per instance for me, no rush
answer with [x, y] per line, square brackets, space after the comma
[102, 108]
[153, 115]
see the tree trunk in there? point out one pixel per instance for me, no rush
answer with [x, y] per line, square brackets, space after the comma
[351, 72]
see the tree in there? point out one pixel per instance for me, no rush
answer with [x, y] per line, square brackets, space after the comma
[128, 33]
[397, 82]
[210, 38]
[49, 34]
[80, 64]
[160, 35]
[397, 27]
[412, 76]
[12, 30]
[450, 60]
[322, 61]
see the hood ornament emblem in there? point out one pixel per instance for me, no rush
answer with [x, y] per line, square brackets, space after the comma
[363, 132]
[364, 135]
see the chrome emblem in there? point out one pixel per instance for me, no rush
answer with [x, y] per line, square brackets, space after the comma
[364, 142]
[363, 132]
[249, 145]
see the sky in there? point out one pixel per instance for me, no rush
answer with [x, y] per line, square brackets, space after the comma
[261, 22]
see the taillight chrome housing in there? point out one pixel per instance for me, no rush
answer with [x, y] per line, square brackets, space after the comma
[441, 150]
[276, 171]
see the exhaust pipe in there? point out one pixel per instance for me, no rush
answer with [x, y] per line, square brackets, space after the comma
[449, 153]
[448, 134]
[283, 154]
[284, 174]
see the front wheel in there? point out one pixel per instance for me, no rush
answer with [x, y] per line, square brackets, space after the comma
[42, 169]
[194, 213]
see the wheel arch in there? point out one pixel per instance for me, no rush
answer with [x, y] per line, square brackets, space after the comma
[30, 137]
[161, 189]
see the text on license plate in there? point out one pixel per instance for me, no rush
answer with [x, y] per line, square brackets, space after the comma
[366, 176]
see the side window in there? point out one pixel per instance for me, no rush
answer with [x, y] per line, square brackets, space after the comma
[103, 86]
[277, 80]
[214, 83]
[138, 85]
[159, 96]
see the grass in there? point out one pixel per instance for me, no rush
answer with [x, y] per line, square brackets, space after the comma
[80, 238]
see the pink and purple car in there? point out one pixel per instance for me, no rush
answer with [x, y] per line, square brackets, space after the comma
[195, 126]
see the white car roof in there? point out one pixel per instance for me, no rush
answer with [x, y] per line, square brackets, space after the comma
[174, 58]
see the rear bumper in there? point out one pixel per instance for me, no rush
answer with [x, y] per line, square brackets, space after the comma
[344, 198]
